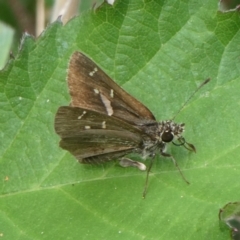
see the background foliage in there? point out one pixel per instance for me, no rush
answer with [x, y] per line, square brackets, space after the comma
[159, 52]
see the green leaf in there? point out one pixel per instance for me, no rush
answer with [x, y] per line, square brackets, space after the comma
[159, 52]
[6, 38]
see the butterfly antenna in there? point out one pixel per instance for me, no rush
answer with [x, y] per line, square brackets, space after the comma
[190, 97]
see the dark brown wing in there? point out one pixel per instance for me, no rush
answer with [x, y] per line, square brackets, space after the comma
[94, 137]
[90, 88]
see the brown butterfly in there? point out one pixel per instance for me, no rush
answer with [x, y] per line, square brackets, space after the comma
[103, 122]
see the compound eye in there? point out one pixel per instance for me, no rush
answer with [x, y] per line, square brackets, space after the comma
[167, 136]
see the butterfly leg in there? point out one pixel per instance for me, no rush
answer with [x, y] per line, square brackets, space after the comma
[175, 163]
[126, 162]
[148, 171]
[188, 146]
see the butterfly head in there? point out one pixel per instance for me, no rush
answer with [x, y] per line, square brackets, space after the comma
[169, 131]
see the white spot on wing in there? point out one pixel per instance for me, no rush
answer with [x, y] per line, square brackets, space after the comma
[84, 112]
[96, 91]
[87, 127]
[104, 124]
[107, 105]
[93, 72]
[111, 93]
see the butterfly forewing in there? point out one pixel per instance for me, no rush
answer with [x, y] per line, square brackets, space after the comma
[91, 88]
[70, 120]
[94, 137]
